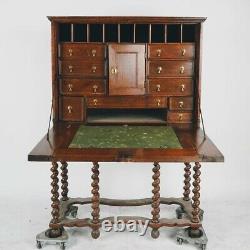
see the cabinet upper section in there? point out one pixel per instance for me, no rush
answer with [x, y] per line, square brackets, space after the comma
[127, 29]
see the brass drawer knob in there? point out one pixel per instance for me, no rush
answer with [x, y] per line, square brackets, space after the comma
[93, 52]
[114, 70]
[180, 117]
[158, 52]
[70, 109]
[95, 101]
[182, 87]
[181, 104]
[158, 87]
[182, 70]
[70, 52]
[159, 69]
[93, 69]
[70, 87]
[183, 52]
[70, 68]
[158, 101]
[95, 87]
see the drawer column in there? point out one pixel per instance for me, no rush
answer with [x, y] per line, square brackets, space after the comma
[95, 201]
[156, 200]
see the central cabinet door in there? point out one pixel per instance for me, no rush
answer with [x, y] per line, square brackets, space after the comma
[126, 69]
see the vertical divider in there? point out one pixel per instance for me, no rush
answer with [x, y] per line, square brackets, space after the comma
[150, 33]
[134, 32]
[165, 33]
[103, 33]
[87, 32]
[181, 32]
[72, 32]
[119, 33]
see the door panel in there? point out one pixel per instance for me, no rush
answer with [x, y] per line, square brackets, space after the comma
[126, 69]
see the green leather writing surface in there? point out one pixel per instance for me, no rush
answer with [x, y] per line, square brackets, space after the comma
[125, 137]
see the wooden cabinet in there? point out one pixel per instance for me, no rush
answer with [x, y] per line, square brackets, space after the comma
[126, 69]
[144, 65]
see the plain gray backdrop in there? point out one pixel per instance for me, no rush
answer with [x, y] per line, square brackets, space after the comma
[25, 105]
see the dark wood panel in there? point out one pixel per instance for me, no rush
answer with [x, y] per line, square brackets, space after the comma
[90, 51]
[82, 87]
[180, 103]
[126, 102]
[126, 69]
[171, 86]
[170, 68]
[168, 51]
[82, 68]
[72, 109]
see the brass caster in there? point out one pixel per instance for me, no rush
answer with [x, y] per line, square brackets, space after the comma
[62, 246]
[95, 234]
[155, 233]
[179, 241]
[203, 246]
[38, 244]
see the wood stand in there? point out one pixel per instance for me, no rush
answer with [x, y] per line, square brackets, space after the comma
[64, 212]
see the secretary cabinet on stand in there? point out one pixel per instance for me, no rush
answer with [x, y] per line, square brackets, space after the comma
[126, 89]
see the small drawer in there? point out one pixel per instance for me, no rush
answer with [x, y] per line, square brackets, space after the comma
[179, 117]
[72, 109]
[82, 68]
[180, 103]
[83, 87]
[170, 68]
[171, 86]
[127, 102]
[168, 51]
[82, 51]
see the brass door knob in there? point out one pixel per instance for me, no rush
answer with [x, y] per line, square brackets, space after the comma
[183, 52]
[180, 117]
[114, 70]
[70, 87]
[95, 87]
[95, 101]
[70, 52]
[158, 52]
[159, 69]
[93, 52]
[70, 109]
[181, 104]
[70, 68]
[182, 87]
[158, 87]
[93, 69]
[158, 102]
[182, 70]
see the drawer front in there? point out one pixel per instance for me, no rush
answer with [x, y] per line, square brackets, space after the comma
[82, 68]
[82, 51]
[171, 86]
[180, 103]
[84, 87]
[170, 68]
[179, 117]
[127, 102]
[177, 50]
[72, 109]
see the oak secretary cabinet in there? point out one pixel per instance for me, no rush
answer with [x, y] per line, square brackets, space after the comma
[126, 89]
